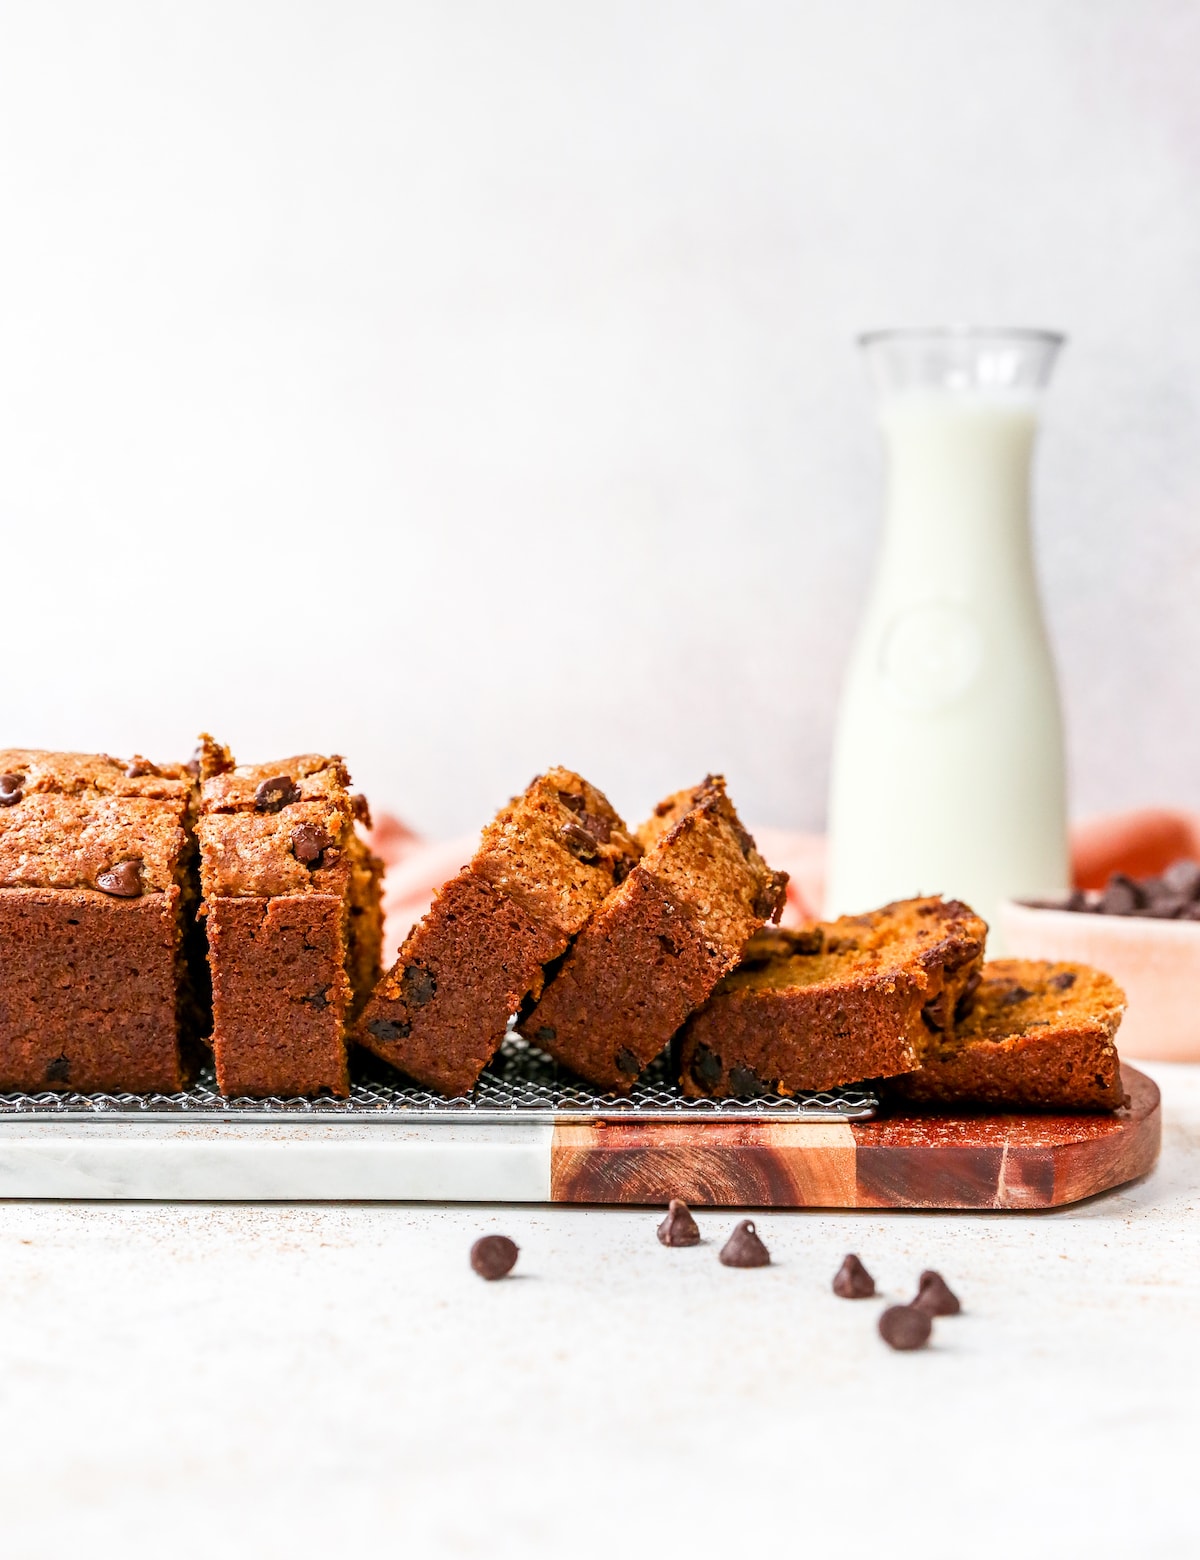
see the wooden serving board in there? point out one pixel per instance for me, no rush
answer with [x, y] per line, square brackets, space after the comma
[913, 1160]
[909, 1161]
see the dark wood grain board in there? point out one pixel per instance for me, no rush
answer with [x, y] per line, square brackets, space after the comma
[913, 1160]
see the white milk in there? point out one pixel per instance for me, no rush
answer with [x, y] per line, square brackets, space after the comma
[948, 773]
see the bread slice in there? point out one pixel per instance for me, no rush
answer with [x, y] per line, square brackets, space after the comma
[1039, 1036]
[835, 1003]
[544, 864]
[660, 943]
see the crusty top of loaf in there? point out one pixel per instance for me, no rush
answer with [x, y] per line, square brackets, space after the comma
[283, 827]
[699, 852]
[558, 849]
[70, 819]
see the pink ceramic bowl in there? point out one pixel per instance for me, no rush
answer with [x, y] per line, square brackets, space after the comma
[1157, 962]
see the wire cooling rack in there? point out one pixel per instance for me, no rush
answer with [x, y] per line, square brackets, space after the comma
[521, 1084]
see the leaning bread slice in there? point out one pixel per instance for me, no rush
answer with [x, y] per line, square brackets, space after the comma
[544, 864]
[835, 1003]
[660, 942]
[1039, 1036]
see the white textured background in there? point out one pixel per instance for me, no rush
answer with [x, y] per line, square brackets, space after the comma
[470, 386]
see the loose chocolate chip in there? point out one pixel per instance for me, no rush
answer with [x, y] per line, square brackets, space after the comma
[386, 1029]
[417, 986]
[546, 1034]
[1181, 877]
[627, 1063]
[678, 1228]
[309, 840]
[582, 845]
[706, 1067]
[360, 807]
[1063, 981]
[934, 1295]
[139, 766]
[744, 1082]
[852, 1281]
[59, 1070]
[492, 1256]
[1122, 896]
[904, 1327]
[11, 786]
[744, 1249]
[124, 880]
[275, 794]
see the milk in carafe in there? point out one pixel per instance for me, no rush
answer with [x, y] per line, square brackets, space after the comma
[948, 769]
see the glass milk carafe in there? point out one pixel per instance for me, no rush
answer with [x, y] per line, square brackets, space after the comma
[948, 772]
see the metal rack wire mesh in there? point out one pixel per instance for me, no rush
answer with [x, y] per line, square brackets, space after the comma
[521, 1084]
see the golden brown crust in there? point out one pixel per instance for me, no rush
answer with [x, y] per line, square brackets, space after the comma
[835, 1003]
[1039, 1036]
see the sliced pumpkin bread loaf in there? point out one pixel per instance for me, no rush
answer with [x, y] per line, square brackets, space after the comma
[1039, 1036]
[837, 1002]
[661, 941]
[544, 865]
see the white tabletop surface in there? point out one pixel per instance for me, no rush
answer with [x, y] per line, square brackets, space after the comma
[266, 1380]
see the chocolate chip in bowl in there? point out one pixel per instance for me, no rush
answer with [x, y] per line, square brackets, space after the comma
[1142, 931]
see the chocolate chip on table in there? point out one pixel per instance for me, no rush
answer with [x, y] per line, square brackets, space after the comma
[417, 986]
[11, 786]
[627, 1063]
[124, 880]
[492, 1256]
[275, 794]
[744, 1249]
[852, 1281]
[582, 845]
[934, 1295]
[904, 1327]
[679, 1228]
[309, 841]
[139, 766]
